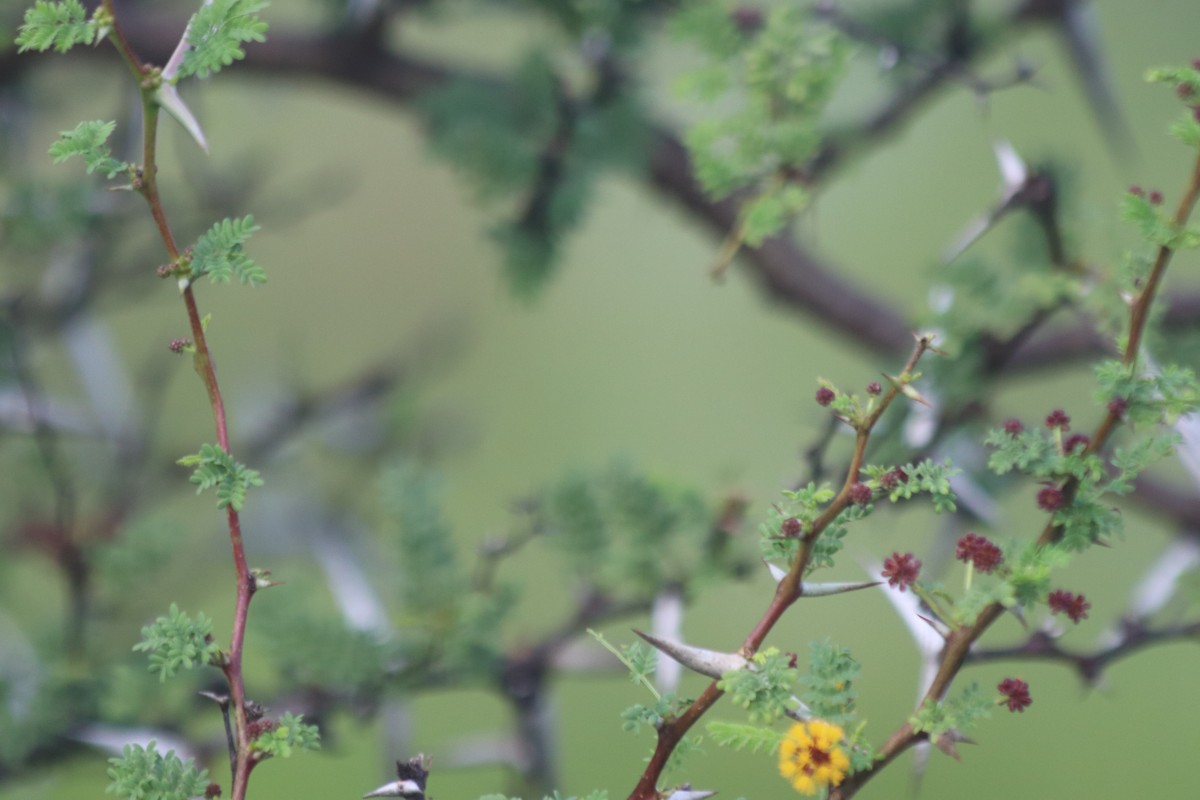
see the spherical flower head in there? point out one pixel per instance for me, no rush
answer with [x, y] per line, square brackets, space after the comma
[810, 756]
[1156, 197]
[178, 345]
[791, 528]
[860, 494]
[901, 570]
[1017, 693]
[1013, 426]
[1118, 406]
[1076, 441]
[1050, 498]
[893, 478]
[1137, 191]
[825, 396]
[874, 389]
[1075, 606]
[212, 790]
[980, 551]
[1058, 419]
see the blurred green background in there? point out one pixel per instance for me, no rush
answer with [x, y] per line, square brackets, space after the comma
[376, 251]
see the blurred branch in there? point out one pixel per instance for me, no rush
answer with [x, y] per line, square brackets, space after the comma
[1132, 636]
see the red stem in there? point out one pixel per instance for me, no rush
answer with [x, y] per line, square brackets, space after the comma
[206, 369]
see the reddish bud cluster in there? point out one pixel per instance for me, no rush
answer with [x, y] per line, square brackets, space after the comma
[1118, 406]
[791, 528]
[747, 20]
[892, 479]
[1017, 692]
[1156, 197]
[825, 396]
[1050, 498]
[258, 727]
[980, 551]
[1075, 606]
[860, 494]
[1137, 191]
[1058, 419]
[874, 389]
[901, 570]
[1013, 426]
[212, 790]
[1075, 441]
[177, 345]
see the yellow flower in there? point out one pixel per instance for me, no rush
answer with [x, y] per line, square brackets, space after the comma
[810, 758]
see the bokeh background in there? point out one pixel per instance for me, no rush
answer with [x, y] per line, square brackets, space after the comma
[378, 254]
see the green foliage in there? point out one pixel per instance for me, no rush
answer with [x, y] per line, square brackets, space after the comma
[428, 575]
[744, 737]
[640, 660]
[763, 689]
[1150, 398]
[782, 76]
[639, 715]
[1037, 452]
[143, 545]
[146, 774]
[289, 733]
[177, 641]
[829, 691]
[315, 650]
[1186, 83]
[1030, 570]
[805, 505]
[88, 140]
[959, 713]
[627, 533]
[927, 477]
[215, 467]
[217, 32]
[533, 142]
[60, 25]
[473, 646]
[1153, 224]
[219, 253]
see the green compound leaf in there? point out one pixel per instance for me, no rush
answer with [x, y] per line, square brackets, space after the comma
[830, 680]
[216, 468]
[59, 25]
[146, 774]
[177, 641]
[219, 253]
[764, 690]
[216, 34]
[744, 737]
[88, 140]
[288, 734]
[959, 713]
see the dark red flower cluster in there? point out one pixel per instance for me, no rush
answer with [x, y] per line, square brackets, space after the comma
[791, 528]
[1156, 197]
[860, 494]
[979, 551]
[1017, 692]
[1118, 406]
[890, 480]
[212, 790]
[1050, 498]
[258, 727]
[1076, 441]
[1075, 606]
[874, 389]
[825, 396]
[901, 570]
[1058, 419]
[1013, 426]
